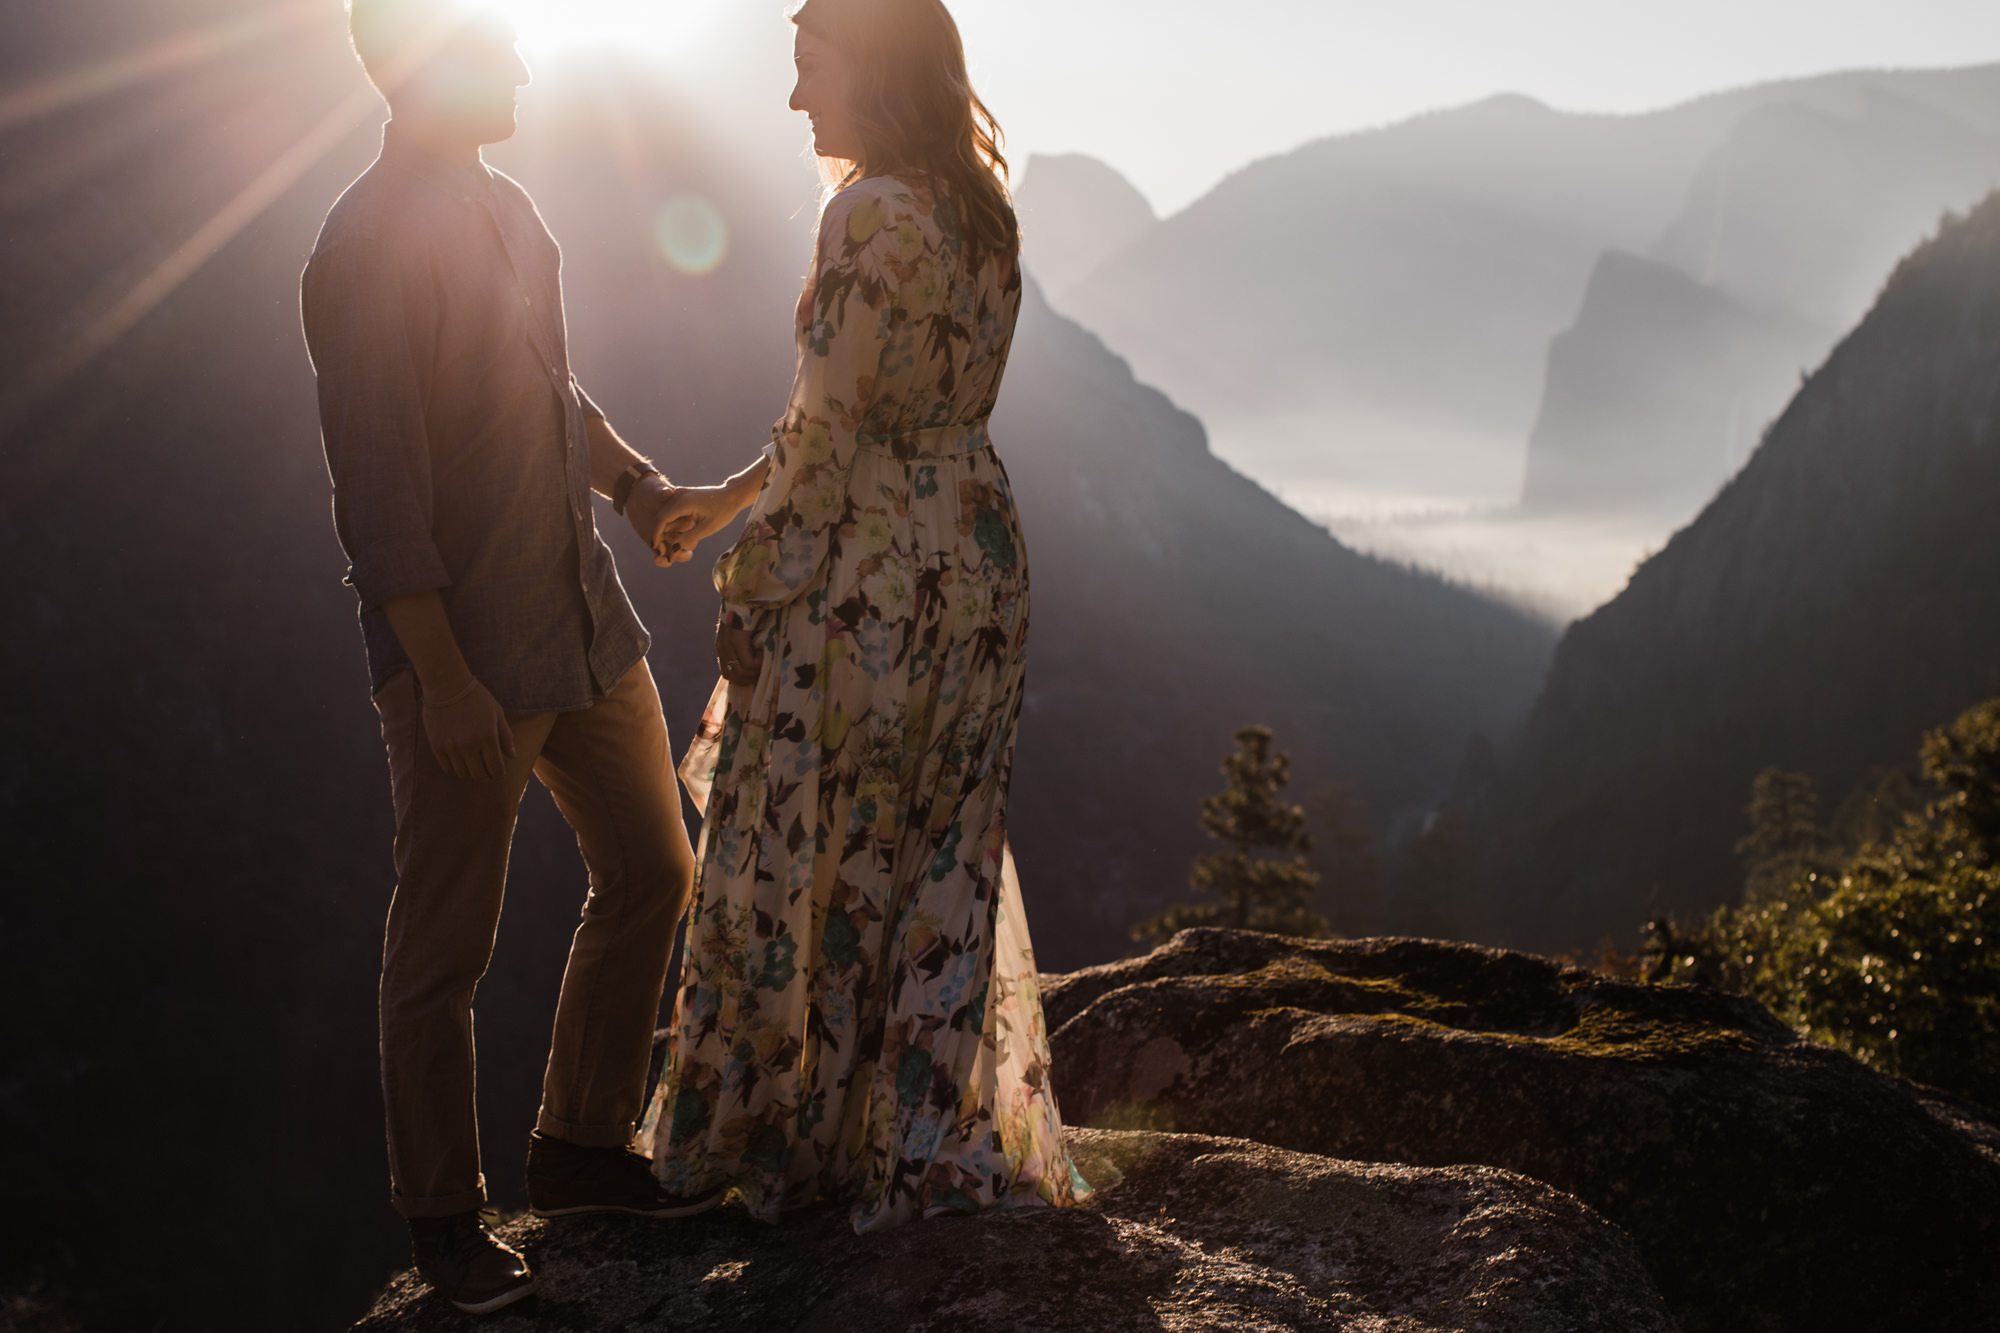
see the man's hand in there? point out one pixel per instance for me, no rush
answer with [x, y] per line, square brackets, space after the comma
[646, 510]
[469, 735]
[465, 724]
[737, 654]
[694, 513]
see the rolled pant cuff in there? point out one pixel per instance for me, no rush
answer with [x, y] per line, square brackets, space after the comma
[442, 1205]
[585, 1136]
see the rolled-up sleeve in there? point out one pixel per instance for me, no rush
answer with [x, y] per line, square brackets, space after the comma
[370, 328]
[857, 314]
[589, 404]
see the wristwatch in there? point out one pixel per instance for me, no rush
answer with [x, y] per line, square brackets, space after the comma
[621, 489]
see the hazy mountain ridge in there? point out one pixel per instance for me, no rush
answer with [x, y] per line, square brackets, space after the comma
[1807, 209]
[1365, 324]
[1075, 213]
[1790, 226]
[1176, 600]
[1658, 393]
[1333, 282]
[1831, 604]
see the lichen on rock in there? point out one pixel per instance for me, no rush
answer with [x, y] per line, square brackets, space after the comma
[1770, 1184]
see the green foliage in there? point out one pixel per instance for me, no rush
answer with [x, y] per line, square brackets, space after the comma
[1784, 839]
[1874, 817]
[1257, 890]
[1964, 764]
[1894, 957]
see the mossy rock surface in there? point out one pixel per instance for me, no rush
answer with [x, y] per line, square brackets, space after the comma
[1184, 1232]
[1772, 1185]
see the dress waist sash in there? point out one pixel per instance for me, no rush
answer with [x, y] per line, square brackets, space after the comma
[937, 442]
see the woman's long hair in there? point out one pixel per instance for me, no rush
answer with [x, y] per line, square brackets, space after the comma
[914, 109]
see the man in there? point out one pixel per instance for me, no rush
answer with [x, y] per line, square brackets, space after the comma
[499, 639]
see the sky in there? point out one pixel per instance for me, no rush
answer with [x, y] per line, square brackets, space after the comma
[1177, 94]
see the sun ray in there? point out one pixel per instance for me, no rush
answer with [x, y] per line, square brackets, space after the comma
[628, 25]
[109, 76]
[68, 154]
[249, 203]
[193, 253]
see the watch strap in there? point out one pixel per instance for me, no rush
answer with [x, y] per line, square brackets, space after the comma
[621, 490]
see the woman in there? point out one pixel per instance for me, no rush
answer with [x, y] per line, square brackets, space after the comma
[859, 1018]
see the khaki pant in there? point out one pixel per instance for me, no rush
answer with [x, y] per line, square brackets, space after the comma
[612, 776]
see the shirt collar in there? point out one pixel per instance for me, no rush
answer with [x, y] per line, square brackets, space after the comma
[400, 149]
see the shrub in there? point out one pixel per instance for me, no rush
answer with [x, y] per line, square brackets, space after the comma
[1895, 957]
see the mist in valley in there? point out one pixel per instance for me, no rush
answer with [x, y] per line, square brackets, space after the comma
[1521, 346]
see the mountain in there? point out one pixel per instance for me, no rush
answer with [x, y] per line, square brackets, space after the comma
[193, 803]
[1831, 604]
[1367, 318]
[1657, 393]
[1807, 209]
[1662, 386]
[1075, 212]
[1175, 600]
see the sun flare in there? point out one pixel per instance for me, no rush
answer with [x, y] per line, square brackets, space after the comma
[548, 26]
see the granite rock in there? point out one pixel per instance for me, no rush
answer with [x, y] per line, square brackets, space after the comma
[1772, 1185]
[1183, 1232]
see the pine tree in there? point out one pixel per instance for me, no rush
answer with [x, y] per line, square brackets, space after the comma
[1270, 893]
[1785, 840]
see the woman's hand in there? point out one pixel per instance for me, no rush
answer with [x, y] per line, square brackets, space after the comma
[688, 515]
[673, 527]
[645, 506]
[693, 513]
[737, 654]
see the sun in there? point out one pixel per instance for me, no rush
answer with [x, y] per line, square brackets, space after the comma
[549, 26]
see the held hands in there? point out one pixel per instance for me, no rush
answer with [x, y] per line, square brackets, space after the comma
[648, 510]
[679, 517]
[674, 519]
[692, 514]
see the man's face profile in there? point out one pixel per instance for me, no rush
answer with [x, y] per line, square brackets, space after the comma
[471, 84]
[450, 66]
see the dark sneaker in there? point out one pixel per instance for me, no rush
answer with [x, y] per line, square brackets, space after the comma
[565, 1178]
[467, 1264]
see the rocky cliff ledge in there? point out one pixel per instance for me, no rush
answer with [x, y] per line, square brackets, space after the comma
[1770, 1184]
[1184, 1233]
[1553, 1151]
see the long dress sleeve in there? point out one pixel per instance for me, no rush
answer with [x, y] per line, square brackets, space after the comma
[855, 315]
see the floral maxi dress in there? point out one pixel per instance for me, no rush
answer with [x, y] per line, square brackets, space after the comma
[859, 1017]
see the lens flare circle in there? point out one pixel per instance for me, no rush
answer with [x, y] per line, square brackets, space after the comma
[692, 234]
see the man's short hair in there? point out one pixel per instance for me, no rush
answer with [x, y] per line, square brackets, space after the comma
[383, 30]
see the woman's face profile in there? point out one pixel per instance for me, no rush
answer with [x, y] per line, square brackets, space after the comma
[821, 92]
